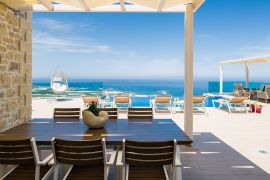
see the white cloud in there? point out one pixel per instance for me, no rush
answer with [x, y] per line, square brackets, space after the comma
[54, 25]
[50, 35]
[44, 42]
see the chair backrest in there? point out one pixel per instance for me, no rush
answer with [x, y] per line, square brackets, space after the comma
[112, 112]
[90, 99]
[16, 152]
[81, 152]
[238, 100]
[267, 86]
[267, 90]
[262, 87]
[198, 99]
[122, 99]
[140, 113]
[163, 99]
[238, 87]
[69, 113]
[149, 153]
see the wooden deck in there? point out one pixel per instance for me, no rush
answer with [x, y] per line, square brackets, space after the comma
[225, 147]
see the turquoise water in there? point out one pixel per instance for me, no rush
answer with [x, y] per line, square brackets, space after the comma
[142, 91]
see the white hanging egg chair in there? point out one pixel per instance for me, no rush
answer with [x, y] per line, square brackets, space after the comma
[59, 82]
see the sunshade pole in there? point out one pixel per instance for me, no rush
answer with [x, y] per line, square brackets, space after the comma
[221, 78]
[247, 75]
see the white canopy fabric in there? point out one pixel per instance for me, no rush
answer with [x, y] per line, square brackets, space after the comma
[243, 61]
[250, 60]
[103, 5]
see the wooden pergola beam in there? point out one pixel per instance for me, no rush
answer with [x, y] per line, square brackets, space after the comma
[47, 4]
[84, 5]
[122, 5]
[161, 5]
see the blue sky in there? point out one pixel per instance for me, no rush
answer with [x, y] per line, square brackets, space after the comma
[150, 45]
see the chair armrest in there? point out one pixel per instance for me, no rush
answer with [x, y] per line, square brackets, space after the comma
[261, 95]
[119, 160]
[177, 162]
[51, 163]
[151, 103]
[112, 158]
[46, 160]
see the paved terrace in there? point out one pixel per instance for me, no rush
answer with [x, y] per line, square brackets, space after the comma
[235, 146]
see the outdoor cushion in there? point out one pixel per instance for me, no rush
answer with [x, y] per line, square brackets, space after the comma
[122, 99]
[163, 99]
[90, 99]
[238, 99]
[198, 99]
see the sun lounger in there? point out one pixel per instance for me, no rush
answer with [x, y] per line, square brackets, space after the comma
[232, 103]
[198, 104]
[122, 100]
[161, 103]
[89, 99]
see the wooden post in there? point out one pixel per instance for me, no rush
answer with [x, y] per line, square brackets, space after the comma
[188, 114]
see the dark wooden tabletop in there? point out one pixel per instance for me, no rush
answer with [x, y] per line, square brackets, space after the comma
[114, 131]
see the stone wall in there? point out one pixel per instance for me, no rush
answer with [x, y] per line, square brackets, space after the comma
[15, 68]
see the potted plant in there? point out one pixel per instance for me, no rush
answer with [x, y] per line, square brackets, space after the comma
[93, 117]
[256, 108]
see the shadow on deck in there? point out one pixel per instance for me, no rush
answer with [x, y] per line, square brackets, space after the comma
[209, 158]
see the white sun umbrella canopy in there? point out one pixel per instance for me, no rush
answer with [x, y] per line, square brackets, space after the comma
[59, 82]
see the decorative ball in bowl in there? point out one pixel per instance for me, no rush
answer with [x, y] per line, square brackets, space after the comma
[94, 121]
[93, 117]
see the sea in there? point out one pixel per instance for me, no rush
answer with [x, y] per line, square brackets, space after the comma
[141, 91]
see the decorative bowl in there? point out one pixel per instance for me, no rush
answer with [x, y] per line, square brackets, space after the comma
[93, 121]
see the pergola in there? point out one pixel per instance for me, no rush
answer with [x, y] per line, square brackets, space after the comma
[159, 6]
[244, 61]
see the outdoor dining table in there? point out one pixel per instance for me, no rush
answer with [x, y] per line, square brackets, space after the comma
[44, 129]
[114, 131]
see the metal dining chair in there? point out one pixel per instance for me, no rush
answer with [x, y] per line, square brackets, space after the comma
[66, 113]
[148, 159]
[24, 156]
[112, 112]
[87, 159]
[140, 113]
